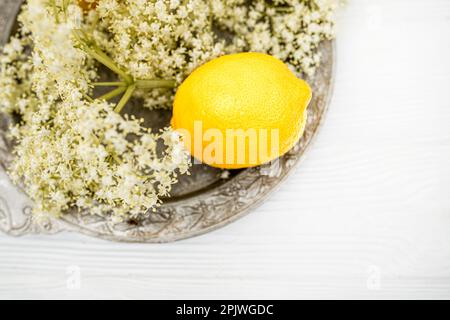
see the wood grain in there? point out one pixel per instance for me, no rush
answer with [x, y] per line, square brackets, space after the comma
[366, 215]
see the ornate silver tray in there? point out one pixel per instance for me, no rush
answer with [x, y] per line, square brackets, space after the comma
[202, 202]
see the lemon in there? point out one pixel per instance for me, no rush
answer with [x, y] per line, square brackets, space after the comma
[241, 110]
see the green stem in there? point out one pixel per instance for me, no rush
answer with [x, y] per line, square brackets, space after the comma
[106, 61]
[152, 84]
[125, 98]
[128, 85]
[88, 98]
[112, 94]
[55, 11]
[97, 54]
[110, 84]
[65, 5]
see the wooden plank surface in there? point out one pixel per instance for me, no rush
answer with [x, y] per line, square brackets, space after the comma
[366, 215]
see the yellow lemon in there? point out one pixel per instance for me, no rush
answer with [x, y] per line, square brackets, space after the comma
[241, 110]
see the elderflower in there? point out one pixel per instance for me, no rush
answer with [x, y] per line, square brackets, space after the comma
[73, 152]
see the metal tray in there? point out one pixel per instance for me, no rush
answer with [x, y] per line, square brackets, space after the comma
[199, 204]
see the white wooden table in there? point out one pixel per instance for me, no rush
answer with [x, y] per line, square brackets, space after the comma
[366, 215]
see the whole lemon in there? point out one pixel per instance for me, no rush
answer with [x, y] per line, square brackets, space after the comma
[241, 110]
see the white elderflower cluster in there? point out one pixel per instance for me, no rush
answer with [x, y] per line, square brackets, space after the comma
[290, 30]
[81, 155]
[75, 152]
[157, 39]
[72, 152]
[15, 77]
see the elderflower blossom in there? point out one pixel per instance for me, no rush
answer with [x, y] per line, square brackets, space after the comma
[291, 30]
[73, 152]
[70, 152]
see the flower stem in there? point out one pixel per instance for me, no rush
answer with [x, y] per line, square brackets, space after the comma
[152, 84]
[128, 85]
[55, 10]
[126, 97]
[100, 56]
[88, 98]
[107, 62]
[112, 94]
[110, 84]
